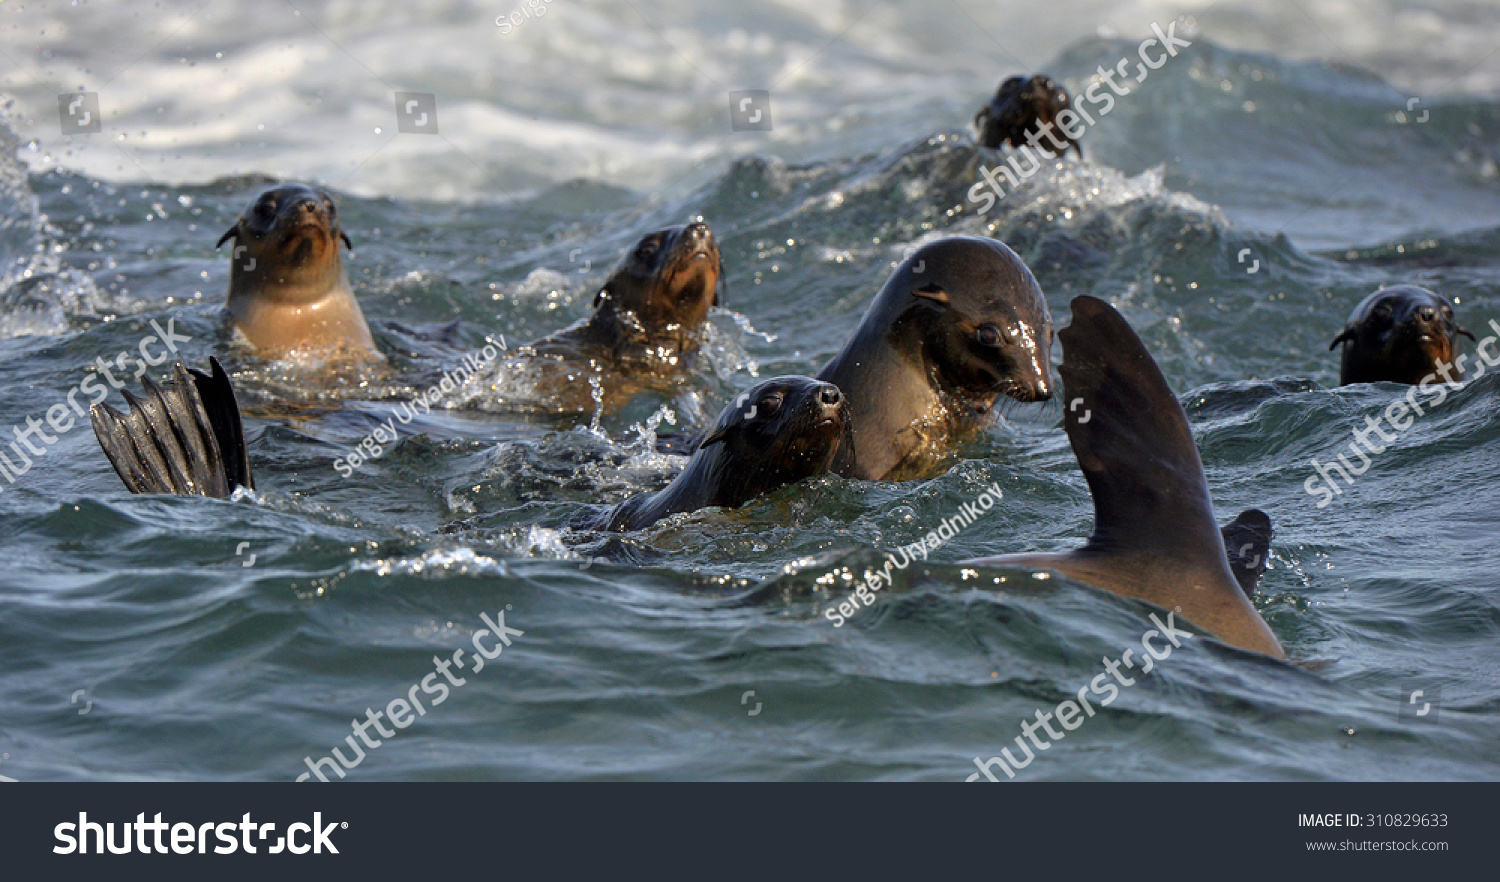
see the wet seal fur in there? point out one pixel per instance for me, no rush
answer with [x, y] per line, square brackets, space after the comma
[1399, 335]
[1154, 536]
[653, 306]
[288, 291]
[960, 322]
[1023, 105]
[647, 324]
[779, 432]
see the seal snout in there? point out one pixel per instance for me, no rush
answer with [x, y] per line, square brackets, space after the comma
[1030, 389]
[699, 234]
[308, 211]
[823, 405]
[1400, 334]
[698, 241]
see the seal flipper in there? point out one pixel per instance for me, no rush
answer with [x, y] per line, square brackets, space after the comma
[1247, 540]
[1155, 538]
[216, 395]
[1132, 441]
[186, 439]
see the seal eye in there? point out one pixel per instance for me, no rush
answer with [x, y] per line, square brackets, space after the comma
[768, 405]
[988, 335]
[648, 250]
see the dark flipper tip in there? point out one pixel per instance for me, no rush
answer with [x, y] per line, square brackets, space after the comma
[1247, 542]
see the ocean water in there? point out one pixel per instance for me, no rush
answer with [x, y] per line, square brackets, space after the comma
[1234, 207]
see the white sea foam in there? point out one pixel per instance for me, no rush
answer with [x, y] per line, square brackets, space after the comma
[593, 89]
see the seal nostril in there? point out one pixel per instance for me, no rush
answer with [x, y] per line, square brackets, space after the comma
[830, 395]
[1427, 313]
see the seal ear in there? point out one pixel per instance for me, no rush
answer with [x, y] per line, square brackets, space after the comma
[721, 286]
[718, 434]
[932, 292]
[232, 232]
[1460, 329]
[345, 236]
[1346, 334]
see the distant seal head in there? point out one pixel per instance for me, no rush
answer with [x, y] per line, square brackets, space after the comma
[1023, 105]
[1399, 335]
[959, 323]
[779, 432]
[651, 312]
[288, 292]
[1154, 536]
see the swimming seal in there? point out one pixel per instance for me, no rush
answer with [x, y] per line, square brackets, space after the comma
[1024, 105]
[1154, 534]
[960, 322]
[777, 433]
[1402, 334]
[648, 322]
[651, 310]
[187, 439]
[288, 292]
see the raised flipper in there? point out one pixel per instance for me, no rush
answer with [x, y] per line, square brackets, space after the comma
[1247, 540]
[185, 439]
[1155, 538]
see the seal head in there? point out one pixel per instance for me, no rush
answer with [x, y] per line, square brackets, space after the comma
[288, 290]
[1400, 334]
[652, 309]
[777, 433]
[960, 322]
[1023, 105]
